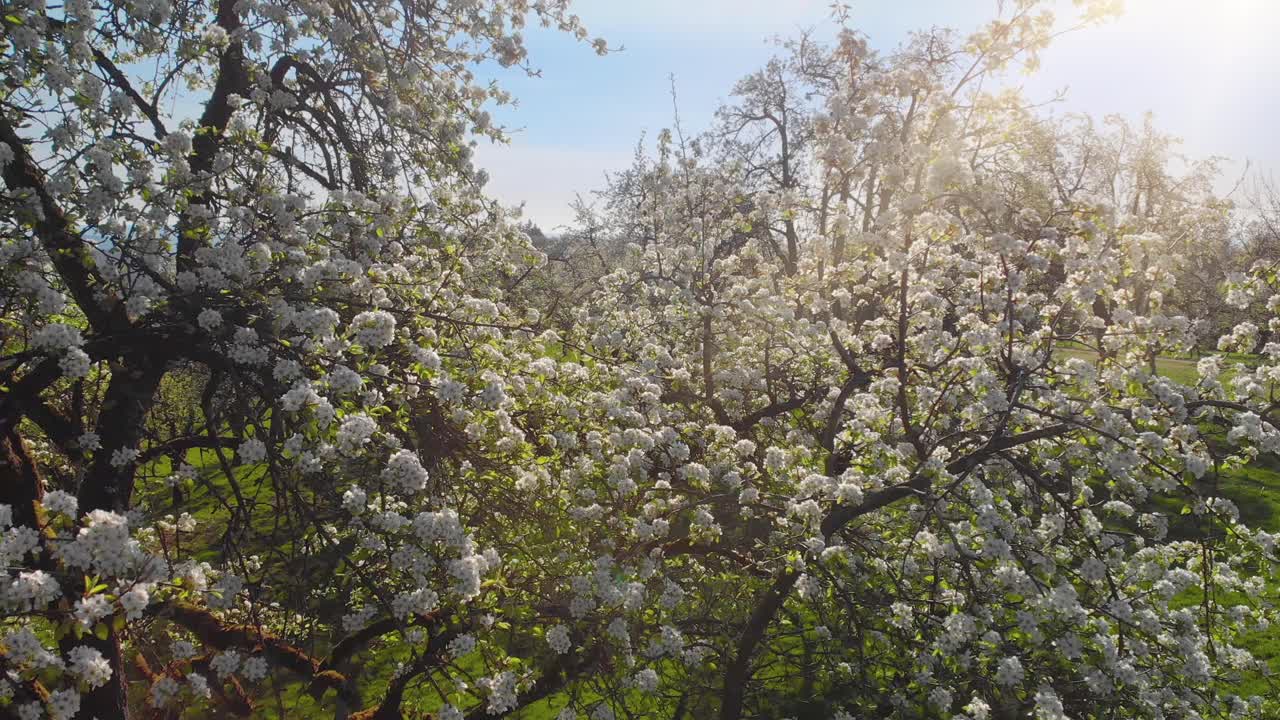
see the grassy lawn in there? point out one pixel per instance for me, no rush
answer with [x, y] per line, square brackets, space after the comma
[1181, 370]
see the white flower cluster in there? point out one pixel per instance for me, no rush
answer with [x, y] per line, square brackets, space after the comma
[558, 639]
[164, 691]
[254, 669]
[502, 692]
[225, 663]
[342, 380]
[462, 645]
[89, 665]
[354, 432]
[58, 502]
[405, 472]
[104, 546]
[299, 396]
[374, 329]
[66, 342]
[252, 451]
[354, 500]
[33, 590]
[56, 337]
[417, 602]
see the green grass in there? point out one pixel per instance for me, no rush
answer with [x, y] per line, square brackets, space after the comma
[1180, 370]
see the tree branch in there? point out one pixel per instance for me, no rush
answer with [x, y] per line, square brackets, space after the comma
[66, 249]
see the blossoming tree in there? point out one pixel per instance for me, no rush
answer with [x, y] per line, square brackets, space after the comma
[286, 432]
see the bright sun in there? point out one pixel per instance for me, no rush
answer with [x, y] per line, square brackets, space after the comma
[1217, 18]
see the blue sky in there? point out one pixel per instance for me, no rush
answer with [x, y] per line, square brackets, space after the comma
[1208, 69]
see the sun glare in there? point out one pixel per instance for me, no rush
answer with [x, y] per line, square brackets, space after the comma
[1221, 19]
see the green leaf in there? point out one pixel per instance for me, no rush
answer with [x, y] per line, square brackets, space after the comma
[101, 631]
